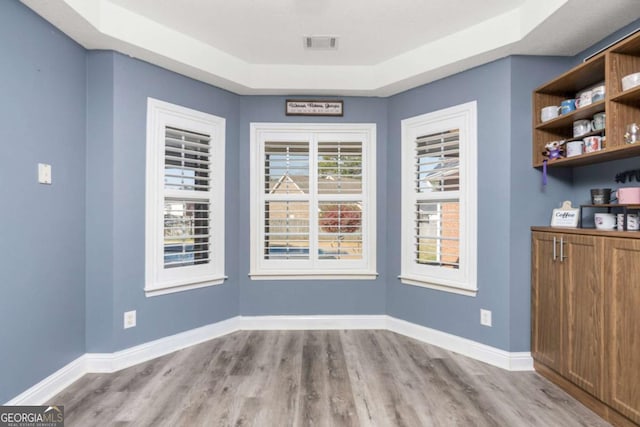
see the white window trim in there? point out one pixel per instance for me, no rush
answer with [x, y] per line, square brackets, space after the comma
[261, 269]
[159, 115]
[464, 280]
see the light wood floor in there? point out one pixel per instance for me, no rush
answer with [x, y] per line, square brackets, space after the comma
[318, 378]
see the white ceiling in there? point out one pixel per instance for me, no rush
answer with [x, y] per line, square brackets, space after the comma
[384, 46]
[270, 32]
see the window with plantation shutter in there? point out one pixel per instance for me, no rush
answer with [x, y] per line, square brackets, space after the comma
[312, 201]
[439, 199]
[185, 199]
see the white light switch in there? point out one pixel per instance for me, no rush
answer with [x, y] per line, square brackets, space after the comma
[44, 173]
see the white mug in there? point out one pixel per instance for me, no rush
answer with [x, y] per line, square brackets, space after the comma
[581, 127]
[592, 144]
[632, 222]
[598, 121]
[574, 148]
[597, 93]
[550, 112]
[605, 221]
[584, 99]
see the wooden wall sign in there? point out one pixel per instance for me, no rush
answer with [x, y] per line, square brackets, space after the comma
[311, 107]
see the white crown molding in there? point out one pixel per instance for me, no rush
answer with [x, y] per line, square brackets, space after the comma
[101, 24]
[112, 362]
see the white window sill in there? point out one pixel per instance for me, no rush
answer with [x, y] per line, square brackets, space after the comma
[440, 286]
[164, 290]
[313, 276]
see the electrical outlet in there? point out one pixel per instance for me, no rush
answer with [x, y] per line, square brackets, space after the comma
[129, 319]
[485, 317]
[44, 173]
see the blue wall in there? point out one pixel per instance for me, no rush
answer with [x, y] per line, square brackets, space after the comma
[42, 250]
[489, 85]
[72, 258]
[530, 203]
[271, 297]
[602, 175]
[99, 207]
[510, 200]
[122, 181]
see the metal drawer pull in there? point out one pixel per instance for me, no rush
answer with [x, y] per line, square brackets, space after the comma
[554, 248]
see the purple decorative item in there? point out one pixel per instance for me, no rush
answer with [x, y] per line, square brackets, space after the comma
[555, 153]
[553, 150]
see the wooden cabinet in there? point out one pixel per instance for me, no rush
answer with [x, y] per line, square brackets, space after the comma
[622, 276]
[621, 107]
[545, 300]
[586, 317]
[567, 307]
[583, 312]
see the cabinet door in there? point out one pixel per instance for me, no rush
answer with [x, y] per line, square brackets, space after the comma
[622, 299]
[582, 311]
[546, 282]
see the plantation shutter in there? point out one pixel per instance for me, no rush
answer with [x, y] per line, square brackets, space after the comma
[340, 212]
[286, 200]
[437, 203]
[187, 198]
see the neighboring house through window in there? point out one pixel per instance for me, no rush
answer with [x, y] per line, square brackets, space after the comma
[184, 199]
[312, 201]
[439, 155]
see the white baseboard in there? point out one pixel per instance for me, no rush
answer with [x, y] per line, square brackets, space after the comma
[521, 361]
[53, 384]
[292, 323]
[112, 362]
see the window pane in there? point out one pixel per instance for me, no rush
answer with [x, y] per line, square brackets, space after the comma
[186, 160]
[286, 167]
[286, 230]
[340, 167]
[186, 233]
[437, 228]
[438, 162]
[340, 230]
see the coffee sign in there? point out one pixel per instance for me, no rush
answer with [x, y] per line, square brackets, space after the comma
[566, 216]
[309, 107]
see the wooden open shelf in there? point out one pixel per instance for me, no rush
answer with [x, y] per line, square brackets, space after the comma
[576, 79]
[568, 119]
[628, 96]
[605, 155]
[621, 107]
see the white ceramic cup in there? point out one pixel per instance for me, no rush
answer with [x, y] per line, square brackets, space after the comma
[581, 127]
[574, 148]
[597, 93]
[550, 112]
[592, 144]
[584, 99]
[605, 221]
[633, 224]
[598, 121]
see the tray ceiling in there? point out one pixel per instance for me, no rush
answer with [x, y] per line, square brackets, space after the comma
[384, 47]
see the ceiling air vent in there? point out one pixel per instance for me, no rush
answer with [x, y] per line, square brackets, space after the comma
[320, 42]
